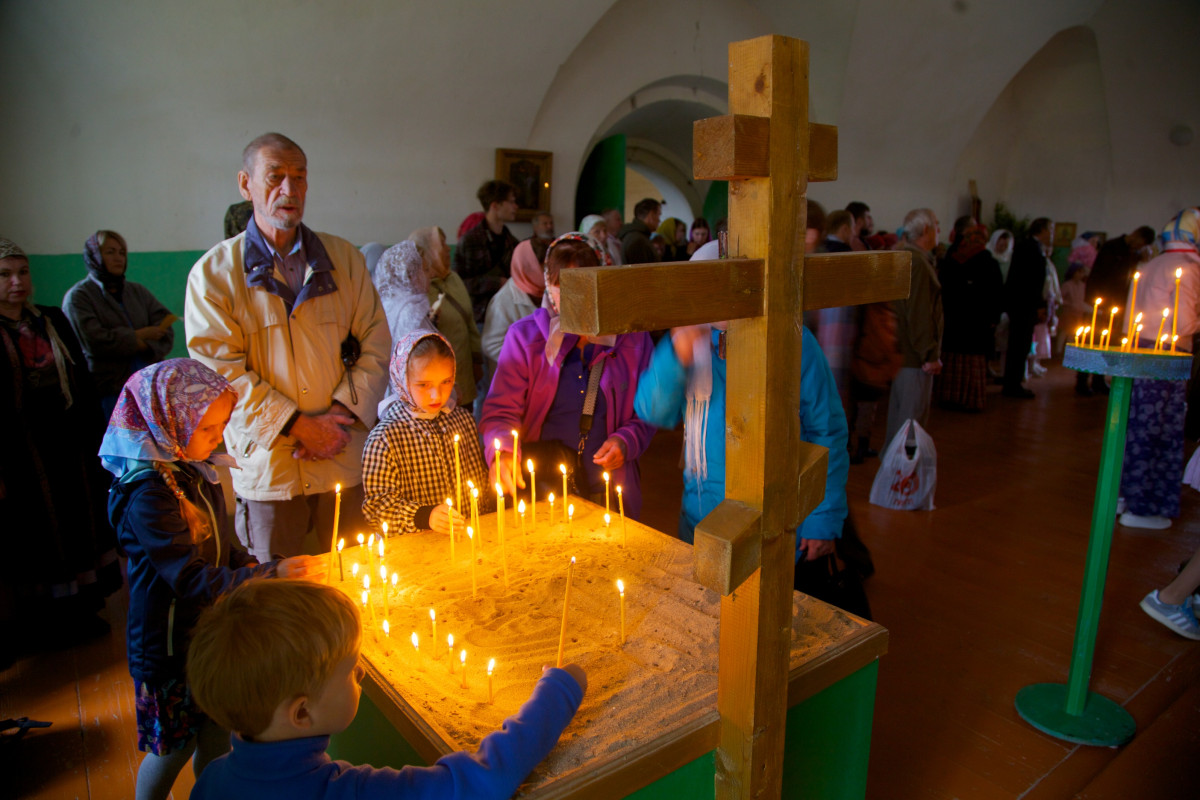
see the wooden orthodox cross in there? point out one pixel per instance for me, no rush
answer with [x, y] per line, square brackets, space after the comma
[768, 151]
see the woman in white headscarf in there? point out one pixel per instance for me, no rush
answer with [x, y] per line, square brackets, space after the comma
[403, 285]
[595, 229]
[1000, 246]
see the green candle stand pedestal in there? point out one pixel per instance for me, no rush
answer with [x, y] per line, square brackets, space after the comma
[1069, 711]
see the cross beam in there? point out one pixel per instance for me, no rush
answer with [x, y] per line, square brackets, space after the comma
[745, 548]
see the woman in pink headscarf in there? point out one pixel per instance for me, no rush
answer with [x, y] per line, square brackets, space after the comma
[517, 298]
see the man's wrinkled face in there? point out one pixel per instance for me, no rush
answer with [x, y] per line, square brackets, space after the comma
[277, 187]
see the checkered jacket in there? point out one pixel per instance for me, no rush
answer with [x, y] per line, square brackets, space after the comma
[408, 464]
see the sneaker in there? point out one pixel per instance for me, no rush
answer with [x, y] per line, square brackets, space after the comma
[1149, 523]
[1178, 618]
[1121, 506]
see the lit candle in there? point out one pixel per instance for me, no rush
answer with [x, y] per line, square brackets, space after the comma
[606, 508]
[462, 659]
[1086, 331]
[624, 528]
[384, 526]
[1133, 309]
[1095, 308]
[458, 495]
[1111, 316]
[1104, 338]
[562, 633]
[1078, 333]
[607, 520]
[491, 666]
[1137, 334]
[521, 510]
[621, 589]
[471, 536]
[475, 517]
[371, 553]
[1124, 343]
[551, 499]
[354, 571]
[361, 541]
[395, 581]
[1162, 343]
[367, 598]
[1175, 316]
[532, 490]
[381, 550]
[514, 471]
[570, 517]
[1158, 337]
[337, 513]
[563, 469]
[341, 574]
[500, 529]
[383, 588]
[416, 644]
[432, 625]
[387, 631]
[450, 505]
[450, 648]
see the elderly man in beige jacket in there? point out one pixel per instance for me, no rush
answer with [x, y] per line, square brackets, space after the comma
[292, 319]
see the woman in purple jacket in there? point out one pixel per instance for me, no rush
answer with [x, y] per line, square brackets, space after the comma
[540, 388]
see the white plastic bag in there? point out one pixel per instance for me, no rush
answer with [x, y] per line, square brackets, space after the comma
[907, 483]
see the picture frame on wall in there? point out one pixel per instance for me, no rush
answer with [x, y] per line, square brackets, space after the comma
[1064, 234]
[529, 171]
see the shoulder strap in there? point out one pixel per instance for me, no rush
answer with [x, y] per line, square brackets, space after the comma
[589, 403]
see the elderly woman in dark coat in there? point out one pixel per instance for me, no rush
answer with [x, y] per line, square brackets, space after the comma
[120, 324]
[59, 558]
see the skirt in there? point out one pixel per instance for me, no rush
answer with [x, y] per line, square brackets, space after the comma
[167, 716]
[963, 381]
[1152, 475]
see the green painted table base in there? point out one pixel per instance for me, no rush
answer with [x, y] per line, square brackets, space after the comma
[1070, 711]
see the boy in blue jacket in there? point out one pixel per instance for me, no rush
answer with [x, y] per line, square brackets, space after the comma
[276, 662]
[686, 380]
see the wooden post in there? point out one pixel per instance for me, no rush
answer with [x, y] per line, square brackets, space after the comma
[768, 151]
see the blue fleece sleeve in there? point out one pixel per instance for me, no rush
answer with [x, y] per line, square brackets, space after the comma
[661, 391]
[823, 422]
[504, 759]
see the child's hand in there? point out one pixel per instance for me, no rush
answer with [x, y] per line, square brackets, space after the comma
[439, 519]
[501, 472]
[309, 568]
[683, 339]
[576, 672]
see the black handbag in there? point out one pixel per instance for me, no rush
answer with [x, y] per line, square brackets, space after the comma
[838, 579]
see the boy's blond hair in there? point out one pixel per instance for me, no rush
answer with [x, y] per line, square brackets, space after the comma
[267, 642]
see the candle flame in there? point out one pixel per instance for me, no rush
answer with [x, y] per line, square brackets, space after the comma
[381, 548]
[395, 579]
[514, 432]
[432, 614]
[1115, 309]
[364, 597]
[607, 520]
[462, 656]
[496, 443]
[456, 437]
[470, 533]
[529, 464]
[1138, 318]
[521, 507]
[1165, 337]
[474, 492]
[1137, 275]
[571, 510]
[383, 573]
[384, 532]
[360, 540]
[1179, 273]
[552, 498]
[620, 586]
[354, 570]
[618, 490]
[1099, 301]
[415, 641]
[366, 581]
[572, 559]
[499, 490]
[491, 665]
[1104, 332]
[337, 488]
[450, 640]
[449, 502]
[371, 540]
[387, 629]
[562, 468]
[1124, 340]
[341, 544]
[470, 483]
[606, 477]
[1166, 313]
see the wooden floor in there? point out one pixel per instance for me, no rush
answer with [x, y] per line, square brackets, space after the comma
[980, 598]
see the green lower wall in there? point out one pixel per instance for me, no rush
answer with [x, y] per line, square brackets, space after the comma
[164, 274]
[828, 746]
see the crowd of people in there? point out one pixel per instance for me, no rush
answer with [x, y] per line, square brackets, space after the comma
[339, 376]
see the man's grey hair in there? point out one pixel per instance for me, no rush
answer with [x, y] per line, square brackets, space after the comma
[916, 222]
[275, 140]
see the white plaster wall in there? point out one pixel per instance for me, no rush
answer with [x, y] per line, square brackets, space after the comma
[132, 113]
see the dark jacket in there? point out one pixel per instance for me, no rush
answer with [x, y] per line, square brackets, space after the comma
[1112, 273]
[1023, 291]
[476, 263]
[971, 297]
[635, 243]
[172, 580]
